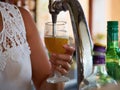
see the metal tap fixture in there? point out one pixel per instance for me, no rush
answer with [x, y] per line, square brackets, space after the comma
[83, 41]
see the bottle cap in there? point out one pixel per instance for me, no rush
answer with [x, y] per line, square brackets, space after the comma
[112, 30]
[112, 24]
[99, 48]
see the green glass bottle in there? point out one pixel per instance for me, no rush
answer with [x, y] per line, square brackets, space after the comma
[112, 53]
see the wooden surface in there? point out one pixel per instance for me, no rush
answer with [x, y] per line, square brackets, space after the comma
[110, 87]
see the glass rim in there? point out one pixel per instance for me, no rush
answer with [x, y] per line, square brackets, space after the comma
[57, 23]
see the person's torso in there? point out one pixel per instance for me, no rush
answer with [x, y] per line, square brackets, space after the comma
[15, 65]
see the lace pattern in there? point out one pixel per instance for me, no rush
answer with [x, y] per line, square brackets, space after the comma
[13, 43]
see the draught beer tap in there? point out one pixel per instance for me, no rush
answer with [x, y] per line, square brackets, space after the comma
[83, 41]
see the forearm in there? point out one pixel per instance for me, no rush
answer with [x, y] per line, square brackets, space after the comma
[49, 86]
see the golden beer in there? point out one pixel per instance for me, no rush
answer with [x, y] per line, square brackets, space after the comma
[55, 44]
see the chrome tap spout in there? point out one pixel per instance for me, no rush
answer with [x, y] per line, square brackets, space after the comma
[83, 41]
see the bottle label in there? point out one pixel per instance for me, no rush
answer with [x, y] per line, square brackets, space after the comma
[98, 60]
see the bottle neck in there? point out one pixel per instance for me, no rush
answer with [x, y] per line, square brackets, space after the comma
[99, 63]
[112, 39]
[112, 44]
[100, 69]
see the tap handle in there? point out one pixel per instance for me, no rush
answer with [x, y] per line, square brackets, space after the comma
[55, 6]
[50, 6]
[52, 11]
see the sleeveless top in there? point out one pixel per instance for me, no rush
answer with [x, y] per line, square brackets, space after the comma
[15, 65]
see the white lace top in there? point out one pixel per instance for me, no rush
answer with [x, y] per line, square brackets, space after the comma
[15, 65]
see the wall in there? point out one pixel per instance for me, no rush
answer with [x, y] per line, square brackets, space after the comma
[103, 11]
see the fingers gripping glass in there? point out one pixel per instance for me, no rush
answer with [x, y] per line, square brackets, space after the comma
[56, 36]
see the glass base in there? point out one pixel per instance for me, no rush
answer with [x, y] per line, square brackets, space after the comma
[57, 79]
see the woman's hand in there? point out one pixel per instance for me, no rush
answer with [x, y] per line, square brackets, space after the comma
[62, 62]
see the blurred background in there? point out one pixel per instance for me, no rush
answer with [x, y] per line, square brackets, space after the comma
[97, 13]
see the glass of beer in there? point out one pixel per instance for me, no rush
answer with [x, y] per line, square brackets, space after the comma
[55, 37]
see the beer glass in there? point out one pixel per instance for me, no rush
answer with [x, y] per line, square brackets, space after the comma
[55, 37]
